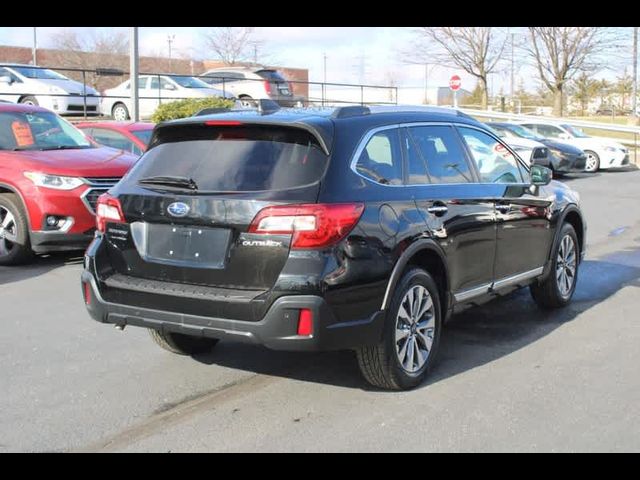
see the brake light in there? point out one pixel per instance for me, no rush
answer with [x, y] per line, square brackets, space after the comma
[222, 123]
[87, 293]
[108, 210]
[312, 226]
[267, 87]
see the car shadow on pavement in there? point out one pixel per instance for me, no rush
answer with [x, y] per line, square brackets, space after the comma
[39, 266]
[471, 339]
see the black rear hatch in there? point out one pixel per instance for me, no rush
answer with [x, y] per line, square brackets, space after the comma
[190, 200]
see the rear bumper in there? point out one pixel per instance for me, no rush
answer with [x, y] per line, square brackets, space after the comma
[276, 330]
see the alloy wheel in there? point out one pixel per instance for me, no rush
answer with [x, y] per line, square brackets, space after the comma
[592, 162]
[566, 264]
[8, 232]
[415, 329]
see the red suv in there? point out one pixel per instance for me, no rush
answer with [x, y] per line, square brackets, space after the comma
[51, 176]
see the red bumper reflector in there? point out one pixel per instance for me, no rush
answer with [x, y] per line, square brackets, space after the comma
[87, 293]
[305, 322]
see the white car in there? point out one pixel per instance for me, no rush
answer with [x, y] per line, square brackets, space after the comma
[46, 88]
[250, 84]
[152, 91]
[602, 153]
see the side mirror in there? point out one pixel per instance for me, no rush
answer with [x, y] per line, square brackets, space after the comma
[541, 175]
[169, 86]
[565, 136]
[6, 79]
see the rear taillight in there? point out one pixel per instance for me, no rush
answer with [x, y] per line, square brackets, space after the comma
[87, 293]
[108, 210]
[312, 226]
[267, 87]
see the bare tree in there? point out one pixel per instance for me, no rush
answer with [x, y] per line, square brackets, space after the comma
[476, 50]
[562, 52]
[233, 45]
[90, 51]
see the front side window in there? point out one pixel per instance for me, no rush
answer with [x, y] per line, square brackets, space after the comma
[188, 82]
[39, 131]
[549, 131]
[495, 162]
[441, 151]
[381, 159]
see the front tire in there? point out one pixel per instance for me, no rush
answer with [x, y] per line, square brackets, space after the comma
[593, 161]
[15, 244]
[182, 344]
[558, 288]
[120, 112]
[407, 352]
[30, 100]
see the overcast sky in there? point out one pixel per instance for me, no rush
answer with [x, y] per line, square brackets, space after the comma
[346, 48]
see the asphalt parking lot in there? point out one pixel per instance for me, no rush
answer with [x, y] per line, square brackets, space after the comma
[510, 378]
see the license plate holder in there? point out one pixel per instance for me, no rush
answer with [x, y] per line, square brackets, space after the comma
[199, 247]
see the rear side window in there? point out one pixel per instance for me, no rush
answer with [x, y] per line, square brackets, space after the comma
[381, 158]
[235, 159]
[495, 162]
[441, 151]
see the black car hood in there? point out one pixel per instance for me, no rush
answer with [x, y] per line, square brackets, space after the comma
[563, 147]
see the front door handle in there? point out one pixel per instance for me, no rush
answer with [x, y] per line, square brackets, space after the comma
[504, 209]
[438, 209]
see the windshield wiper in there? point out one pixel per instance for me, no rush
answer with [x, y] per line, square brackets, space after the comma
[179, 182]
[65, 147]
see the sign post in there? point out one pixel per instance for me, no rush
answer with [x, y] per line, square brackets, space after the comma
[454, 84]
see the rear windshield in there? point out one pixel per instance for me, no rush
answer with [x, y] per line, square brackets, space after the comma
[271, 75]
[143, 135]
[235, 159]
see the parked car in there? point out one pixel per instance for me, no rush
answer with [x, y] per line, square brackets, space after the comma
[152, 91]
[610, 110]
[357, 227]
[561, 158]
[529, 150]
[50, 178]
[250, 84]
[602, 153]
[40, 86]
[131, 137]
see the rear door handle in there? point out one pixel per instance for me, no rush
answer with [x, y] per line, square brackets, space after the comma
[502, 208]
[438, 209]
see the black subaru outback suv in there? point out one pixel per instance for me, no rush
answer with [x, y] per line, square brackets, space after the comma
[351, 228]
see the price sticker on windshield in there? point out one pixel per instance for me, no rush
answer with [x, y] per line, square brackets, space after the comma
[500, 149]
[22, 133]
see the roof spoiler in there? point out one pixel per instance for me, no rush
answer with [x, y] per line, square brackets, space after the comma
[350, 111]
[264, 106]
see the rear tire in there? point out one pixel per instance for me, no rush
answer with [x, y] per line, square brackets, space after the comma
[558, 288]
[182, 344]
[408, 350]
[15, 244]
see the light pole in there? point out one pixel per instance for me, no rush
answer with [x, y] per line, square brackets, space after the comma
[133, 62]
[634, 94]
[35, 48]
[170, 39]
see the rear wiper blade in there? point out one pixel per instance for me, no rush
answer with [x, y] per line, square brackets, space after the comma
[180, 182]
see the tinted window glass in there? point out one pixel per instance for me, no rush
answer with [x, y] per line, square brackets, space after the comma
[417, 169]
[271, 75]
[235, 159]
[113, 139]
[381, 159]
[548, 131]
[495, 163]
[144, 135]
[442, 152]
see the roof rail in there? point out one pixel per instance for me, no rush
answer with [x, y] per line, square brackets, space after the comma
[212, 110]
[350, 111]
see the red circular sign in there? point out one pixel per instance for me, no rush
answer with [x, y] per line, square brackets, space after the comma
[455, 82]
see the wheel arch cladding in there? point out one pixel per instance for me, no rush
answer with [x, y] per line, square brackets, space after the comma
[425, 255]
[573, 218]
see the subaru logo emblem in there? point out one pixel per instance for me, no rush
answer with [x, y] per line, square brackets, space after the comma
[178, 209]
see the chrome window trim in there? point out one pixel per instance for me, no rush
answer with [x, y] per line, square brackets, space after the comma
[370, 133]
